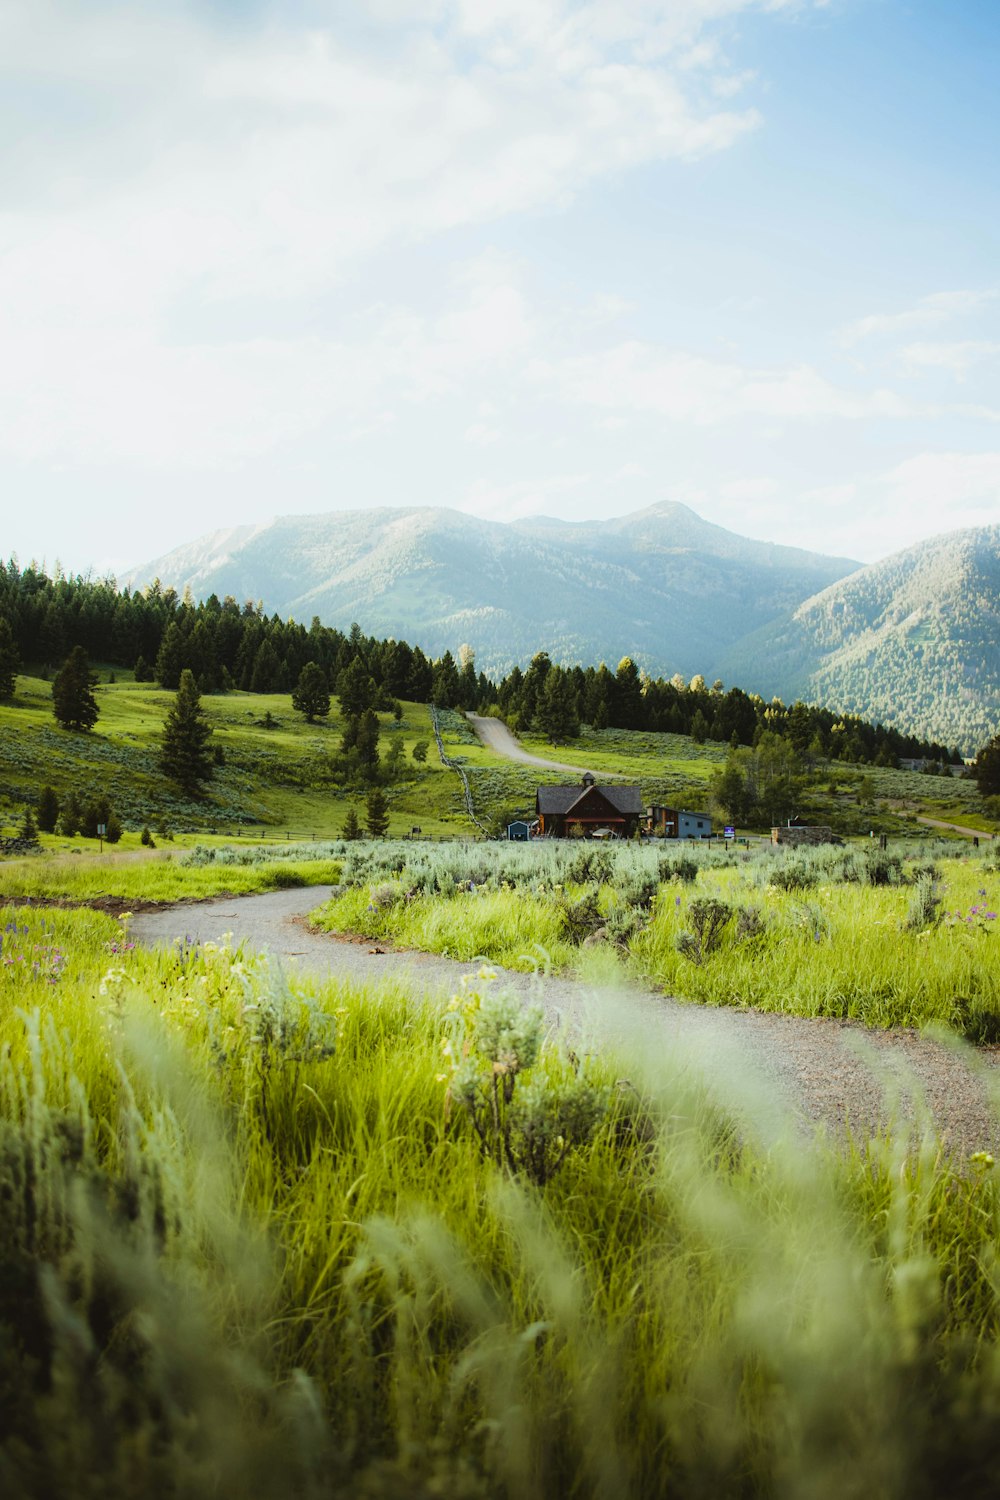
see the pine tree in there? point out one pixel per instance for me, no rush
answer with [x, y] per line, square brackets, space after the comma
[352, 828]
[70, 815]
[29, 829]
[987, 768]
[312, 693]
[48, 809]
[73, 701]
[356, 689]
[184, 753]
[376, 813]
[10, 661]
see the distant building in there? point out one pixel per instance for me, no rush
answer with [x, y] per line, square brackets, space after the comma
[677, 823]
[519, 832]
[593, 810]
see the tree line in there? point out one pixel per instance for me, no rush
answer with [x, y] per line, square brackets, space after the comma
[160, 635]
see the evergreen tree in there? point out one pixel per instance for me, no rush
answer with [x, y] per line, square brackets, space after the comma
[184, 753]
[70, 816]
[987, 768]
[114, 830]
[29, 829]
[95, 812]
[312, 694]
[356, 689]
[352, 828]
[48, 809]
[10, 661]
[170, 657]
[73, 701]
[366, 742]
[266, 669]
[447, 686]
[376, 813]
[556, 715]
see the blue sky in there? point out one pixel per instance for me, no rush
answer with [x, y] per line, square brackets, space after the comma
[569, 257]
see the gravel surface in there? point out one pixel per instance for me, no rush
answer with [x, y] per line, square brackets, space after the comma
[496, 736]
[789, 1071]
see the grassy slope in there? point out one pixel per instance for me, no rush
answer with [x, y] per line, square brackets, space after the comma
[277, 780]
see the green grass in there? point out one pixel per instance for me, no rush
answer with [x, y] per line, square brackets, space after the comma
[822, 948]
[251, 1247]
[156, 877]
[277, 778]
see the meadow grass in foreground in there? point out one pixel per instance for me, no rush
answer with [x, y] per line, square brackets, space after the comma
[260, 1237]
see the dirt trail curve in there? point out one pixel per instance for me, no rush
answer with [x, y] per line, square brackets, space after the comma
[496, 736]
[970, 833]
[785, 1067]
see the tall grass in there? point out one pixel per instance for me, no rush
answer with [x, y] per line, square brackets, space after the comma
[826, 932]
[251, 1245]
[164, 876]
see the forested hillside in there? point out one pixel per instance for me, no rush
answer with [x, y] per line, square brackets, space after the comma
[913, 640]
[157, 635]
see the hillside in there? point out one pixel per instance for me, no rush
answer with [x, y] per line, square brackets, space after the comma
[661, 585]
[277, 772]
[913, 641]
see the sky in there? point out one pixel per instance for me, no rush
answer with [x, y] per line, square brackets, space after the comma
[515, 257]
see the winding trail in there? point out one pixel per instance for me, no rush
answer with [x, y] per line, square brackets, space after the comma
[496, 736]
[781, 1071]
[970, 833]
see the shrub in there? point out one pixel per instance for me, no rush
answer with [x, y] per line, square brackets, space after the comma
[925, 903]
[794, 875]
[678, 867]
[709, 919]
[146, 838]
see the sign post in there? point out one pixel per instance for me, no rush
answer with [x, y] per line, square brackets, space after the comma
[729, 833]
[102, 829]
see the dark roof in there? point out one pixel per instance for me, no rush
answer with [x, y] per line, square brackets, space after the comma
[626, 800]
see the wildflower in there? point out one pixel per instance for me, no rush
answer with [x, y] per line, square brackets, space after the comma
[487, 973]
[982, 1159]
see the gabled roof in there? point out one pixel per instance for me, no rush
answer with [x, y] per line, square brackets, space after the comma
[626, 800]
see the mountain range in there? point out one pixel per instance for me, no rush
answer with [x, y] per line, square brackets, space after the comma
[911, 640]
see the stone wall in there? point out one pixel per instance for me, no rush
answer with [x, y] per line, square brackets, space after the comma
[815, 833]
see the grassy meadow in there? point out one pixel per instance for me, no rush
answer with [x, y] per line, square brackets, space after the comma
[276, 776]
[850, 932]
[265, 1237]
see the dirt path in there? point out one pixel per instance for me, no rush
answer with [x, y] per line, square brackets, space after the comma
[496, 736]
[971, 833]
[785, 1069]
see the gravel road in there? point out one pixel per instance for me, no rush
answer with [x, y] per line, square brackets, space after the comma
[788, 1070]
[495, 734]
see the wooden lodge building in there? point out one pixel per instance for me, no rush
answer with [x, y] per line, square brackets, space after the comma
[597, 811]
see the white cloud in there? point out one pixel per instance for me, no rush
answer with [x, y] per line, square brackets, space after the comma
[684, 387]
[958, 357]
[929, 312]
[958, 489]
[550, 495]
